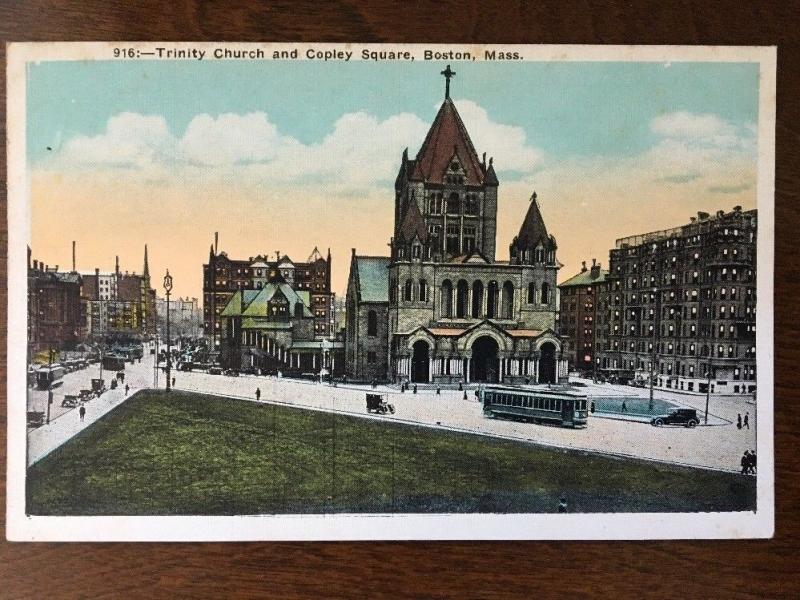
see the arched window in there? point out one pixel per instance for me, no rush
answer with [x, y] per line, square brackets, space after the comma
[477, 299]
[531, 293]
[539, 255]
[507, 311]
[372, 323]
[491, 300]
[462, 292]
[423, 290]
[453, 204]
[408, 290]
[545, 293]
[447, 299]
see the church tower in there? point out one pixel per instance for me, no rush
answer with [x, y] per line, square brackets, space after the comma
[446, 197]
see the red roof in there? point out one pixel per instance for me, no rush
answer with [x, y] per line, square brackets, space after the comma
[413, 223]
[446, 137]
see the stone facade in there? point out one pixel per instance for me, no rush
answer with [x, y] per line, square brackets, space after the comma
[455, 313]
[367, 310]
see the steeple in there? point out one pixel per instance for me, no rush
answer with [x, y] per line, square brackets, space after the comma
[146, 270]
[447, 138]
[532, 235]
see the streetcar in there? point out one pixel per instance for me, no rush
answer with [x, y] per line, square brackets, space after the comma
[49, 376]
[567, 408]
[113, 363]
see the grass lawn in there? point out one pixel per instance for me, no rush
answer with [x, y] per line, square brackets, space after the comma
[191, 454]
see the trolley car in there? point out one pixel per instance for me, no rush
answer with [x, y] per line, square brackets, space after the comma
[567, 408]
[49, 376]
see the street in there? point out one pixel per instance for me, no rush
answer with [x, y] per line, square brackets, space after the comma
[718, 445]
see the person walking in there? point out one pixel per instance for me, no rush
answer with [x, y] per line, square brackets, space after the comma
[127, 387]
[624, 406]
[562, 505]
[173, 382]
[753, 462]
[745, 462]
[258, 394]
[746, 422]
[739, 420]
[82, 412]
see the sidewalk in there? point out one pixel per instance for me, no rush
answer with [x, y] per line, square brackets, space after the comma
[43, 440]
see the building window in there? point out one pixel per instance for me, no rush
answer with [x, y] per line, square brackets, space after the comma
[408, 291]
[447, 299]
[371, 358]
[545, 293]
[531, 293]
[423, 290]
[372, 323]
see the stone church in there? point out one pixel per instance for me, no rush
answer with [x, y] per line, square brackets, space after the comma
[442, 308]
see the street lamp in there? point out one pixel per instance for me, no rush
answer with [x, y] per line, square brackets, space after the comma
[168, 289]
[654, 342]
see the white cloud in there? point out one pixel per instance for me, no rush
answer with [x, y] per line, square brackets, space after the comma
[361, 149]
[507, 143]
[232, 139]
[703, 129]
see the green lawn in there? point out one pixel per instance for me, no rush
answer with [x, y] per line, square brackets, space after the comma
[180, 453]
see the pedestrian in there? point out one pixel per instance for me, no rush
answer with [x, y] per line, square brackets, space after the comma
[739, 420]
[624, 406]
[438, 390]
[126, 389]
[746, 420]
[82, 412]
[562, 505]
[753, 462]
[745, 462]
[415, 388]
[258, 394]
[591, 406]
[173, 382]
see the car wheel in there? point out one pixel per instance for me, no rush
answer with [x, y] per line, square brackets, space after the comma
[691, 424]
[658, 422]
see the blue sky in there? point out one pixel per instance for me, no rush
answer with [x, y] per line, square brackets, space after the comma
[295, 154]
[568, 109]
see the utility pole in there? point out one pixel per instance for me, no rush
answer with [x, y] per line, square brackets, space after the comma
[708, 384]
[654, 343]
[168, 289]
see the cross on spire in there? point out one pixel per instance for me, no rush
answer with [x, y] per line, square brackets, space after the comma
[448, 73]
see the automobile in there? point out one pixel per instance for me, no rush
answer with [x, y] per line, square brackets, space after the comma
[680, 416]
[214, 371]
[231, 372]
[377, 403]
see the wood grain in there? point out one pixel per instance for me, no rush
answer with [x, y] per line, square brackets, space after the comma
[689, 569]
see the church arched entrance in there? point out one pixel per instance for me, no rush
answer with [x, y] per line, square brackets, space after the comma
[547, 363]
[484, 364]
[419, 362]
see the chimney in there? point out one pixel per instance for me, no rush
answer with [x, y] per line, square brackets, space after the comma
[116, 267]
[720, 213]
[692, 219]
[702, 216]
[737, 209]
[484, 160]
[36, 264]
[595, 269]
[583, 267]
[216, 242]
[73, 256]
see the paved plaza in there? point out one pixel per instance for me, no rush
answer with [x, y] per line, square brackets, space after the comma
[718, 445]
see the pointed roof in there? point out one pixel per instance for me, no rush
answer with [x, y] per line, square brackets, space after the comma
[533, 229]
[413, 224]
[447, 137]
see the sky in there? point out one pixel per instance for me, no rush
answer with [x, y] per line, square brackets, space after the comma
[289, 155]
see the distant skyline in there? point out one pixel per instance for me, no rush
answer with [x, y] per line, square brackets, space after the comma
[291, 155]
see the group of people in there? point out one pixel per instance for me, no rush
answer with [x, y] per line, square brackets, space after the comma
[749, 462]
[743, 422]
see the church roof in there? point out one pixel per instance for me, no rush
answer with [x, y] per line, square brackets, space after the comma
[533, 229]
[446, 137]
[373, 278]
[413, 223]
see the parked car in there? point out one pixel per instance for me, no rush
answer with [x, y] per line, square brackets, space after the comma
[232, 372]
[680, 416]
[214, 371]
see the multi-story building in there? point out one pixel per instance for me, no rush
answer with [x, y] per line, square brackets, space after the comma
[682, 303]
[577, 315]
[119, 304]
[224, 276]
[445, 309]
[54, 307]
[185, 317]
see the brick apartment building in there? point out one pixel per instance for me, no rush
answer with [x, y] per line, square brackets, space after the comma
[577, 315]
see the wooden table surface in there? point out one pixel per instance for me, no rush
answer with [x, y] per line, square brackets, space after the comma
[365, 570]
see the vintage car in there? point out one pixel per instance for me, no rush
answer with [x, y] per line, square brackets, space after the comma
[70, 401]
[680, 416]
[376, 403]
[214, 371]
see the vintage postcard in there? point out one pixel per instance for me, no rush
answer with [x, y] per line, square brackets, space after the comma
[346, 291]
